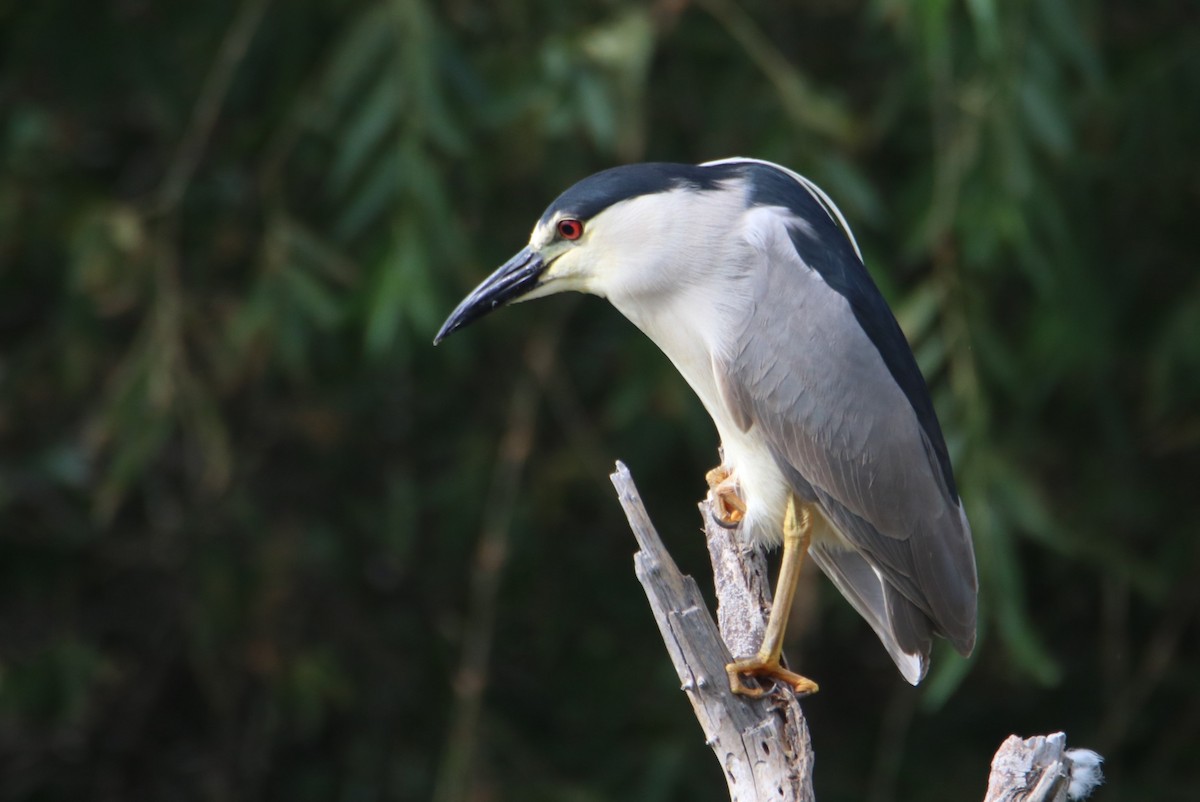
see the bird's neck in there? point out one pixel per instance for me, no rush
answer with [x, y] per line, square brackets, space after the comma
[687, 324]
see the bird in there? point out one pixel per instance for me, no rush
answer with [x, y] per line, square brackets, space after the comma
[746, 275]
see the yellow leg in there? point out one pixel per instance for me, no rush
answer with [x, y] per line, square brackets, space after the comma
[797, 533]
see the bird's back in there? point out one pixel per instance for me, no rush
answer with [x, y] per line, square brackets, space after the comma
[820, 367]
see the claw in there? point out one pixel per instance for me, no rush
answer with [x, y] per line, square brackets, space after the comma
[733, 521]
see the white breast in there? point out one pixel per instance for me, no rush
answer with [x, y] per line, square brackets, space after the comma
[763, 486]
[687, 295]
[671, 326]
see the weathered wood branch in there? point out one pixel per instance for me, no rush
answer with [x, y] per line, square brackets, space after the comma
[1042, 769]
[763, 745]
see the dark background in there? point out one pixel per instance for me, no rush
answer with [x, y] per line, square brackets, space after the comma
[260, 540]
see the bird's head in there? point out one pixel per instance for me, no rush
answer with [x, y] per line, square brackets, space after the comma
[629, 232]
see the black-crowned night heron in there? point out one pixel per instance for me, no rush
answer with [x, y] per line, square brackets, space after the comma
[747, 277]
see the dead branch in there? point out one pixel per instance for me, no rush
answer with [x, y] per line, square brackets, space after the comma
[762, 744]
[1042, 769]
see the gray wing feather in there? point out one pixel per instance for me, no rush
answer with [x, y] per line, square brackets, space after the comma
[874, 600]
[846, 437]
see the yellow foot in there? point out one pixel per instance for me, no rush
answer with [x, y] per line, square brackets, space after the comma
[757, 667]
[729, 506]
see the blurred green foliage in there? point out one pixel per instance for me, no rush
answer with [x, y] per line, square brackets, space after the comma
[259, 540]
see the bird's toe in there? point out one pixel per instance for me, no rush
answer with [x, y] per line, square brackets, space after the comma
[766, 669]
[728, 506]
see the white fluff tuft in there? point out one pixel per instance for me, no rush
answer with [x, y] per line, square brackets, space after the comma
[1085, 772]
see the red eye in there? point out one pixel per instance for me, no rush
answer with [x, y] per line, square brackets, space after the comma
[570, 229]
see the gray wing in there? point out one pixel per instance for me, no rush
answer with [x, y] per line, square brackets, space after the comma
[844, 430]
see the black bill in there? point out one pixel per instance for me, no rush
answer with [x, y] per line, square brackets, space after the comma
[515, 277]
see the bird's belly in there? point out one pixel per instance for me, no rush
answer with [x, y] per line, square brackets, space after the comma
[765, 491]
[762, 485]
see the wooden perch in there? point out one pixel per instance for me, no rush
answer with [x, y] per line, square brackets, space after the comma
[763, 745]
[1042, 769]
